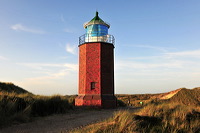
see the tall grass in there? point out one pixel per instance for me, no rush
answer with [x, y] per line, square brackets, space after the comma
[174, 117]
[154, 118]
[22, 107]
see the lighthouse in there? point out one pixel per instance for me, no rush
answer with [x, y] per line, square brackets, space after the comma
[96, 66]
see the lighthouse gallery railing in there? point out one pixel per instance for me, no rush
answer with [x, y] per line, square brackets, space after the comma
[96, 38]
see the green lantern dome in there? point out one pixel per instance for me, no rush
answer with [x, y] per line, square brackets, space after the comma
[96, 20]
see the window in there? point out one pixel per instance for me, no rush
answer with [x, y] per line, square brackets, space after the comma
[92, 85]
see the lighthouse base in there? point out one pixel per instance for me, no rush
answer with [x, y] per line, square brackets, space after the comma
[100, 101]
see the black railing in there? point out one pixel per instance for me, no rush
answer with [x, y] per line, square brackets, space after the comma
[95, 38]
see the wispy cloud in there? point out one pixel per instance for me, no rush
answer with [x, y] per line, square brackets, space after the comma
[145, 58]
[3, 58]
[142, 65]
[71, 49]
[20, 27]
[160, 70]
[69, 29]
[191, 53]
[43, 66]
[50, 71]
[56, 75]
[163, 49]
[168, 60]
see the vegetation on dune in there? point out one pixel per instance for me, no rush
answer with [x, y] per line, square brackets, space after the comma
[18, 105]
[187, 97]
[11, 88]
[153, 118]
[21, 108]
[181, 96]
[178, 114]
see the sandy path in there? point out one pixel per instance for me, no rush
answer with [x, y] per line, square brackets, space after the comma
[60, 123]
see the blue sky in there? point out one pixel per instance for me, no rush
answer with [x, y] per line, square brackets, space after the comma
[157, 45]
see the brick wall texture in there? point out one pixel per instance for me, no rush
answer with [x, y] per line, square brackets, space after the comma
[96, 64]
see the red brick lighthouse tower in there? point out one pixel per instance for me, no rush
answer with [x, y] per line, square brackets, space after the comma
[96, 66]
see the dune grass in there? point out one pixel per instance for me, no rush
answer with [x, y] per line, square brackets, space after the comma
[18, 108]
[183, 96]
[153, 118]
[8, 87]
[179, 114]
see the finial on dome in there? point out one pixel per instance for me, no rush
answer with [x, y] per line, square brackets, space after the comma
[97, 14]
